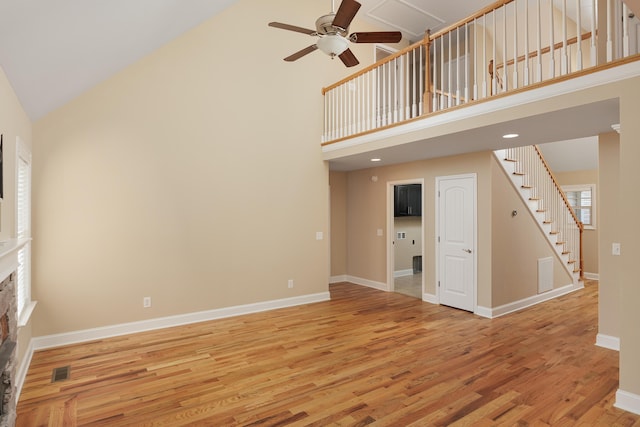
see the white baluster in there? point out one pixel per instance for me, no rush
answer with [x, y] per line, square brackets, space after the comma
[526, 71]
[494, 80]
[466, 62]
[579, 35]
[413, 85]
[594, 52]
[483, 72]
[505, 78]
[564, 60]
[515, 44]
[552, 62]
[434, 49]
[625, 30]
[389, 94]
[457, 100]
[609, 30]
[442, 99]
[449, 85]
[475, 58]
[539, 42]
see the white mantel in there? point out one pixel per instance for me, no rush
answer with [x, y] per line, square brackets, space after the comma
[9, 256]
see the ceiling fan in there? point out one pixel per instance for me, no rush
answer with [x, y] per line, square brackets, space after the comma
[332, 30]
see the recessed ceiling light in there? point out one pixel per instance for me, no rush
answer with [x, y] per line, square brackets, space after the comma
[510, 135]
[376, 160]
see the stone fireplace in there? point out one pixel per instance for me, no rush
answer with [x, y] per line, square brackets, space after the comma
[8, 335]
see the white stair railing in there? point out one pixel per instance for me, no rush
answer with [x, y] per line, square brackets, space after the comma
[548, 202]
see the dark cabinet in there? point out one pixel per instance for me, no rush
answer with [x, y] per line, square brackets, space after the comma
[407, 200]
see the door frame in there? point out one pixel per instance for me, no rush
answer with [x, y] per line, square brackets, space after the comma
[439, 179]
[391, 232]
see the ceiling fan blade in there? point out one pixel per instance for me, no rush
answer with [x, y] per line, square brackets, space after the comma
[292, 28]
[345, 14]
[376, 37]
[348, 58]
[299, 54]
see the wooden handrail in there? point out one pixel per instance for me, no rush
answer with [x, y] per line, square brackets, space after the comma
[567, 204]
[468, 19]
[533, 54]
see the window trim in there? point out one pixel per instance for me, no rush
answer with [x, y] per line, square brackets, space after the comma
[586, 187]
[23, 154]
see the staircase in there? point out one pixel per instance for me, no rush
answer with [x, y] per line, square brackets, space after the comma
[548, 204]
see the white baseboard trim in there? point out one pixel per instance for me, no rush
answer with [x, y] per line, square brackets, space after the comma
[592, 276]
[21, 373]
[483, 312]
[75, 337]
[526, 302]
[368, 283]
[402, 273]
[627, 401]
[433, 299]
[608, 341]
[338, 279]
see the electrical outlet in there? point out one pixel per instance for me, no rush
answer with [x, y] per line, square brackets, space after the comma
[290, 283]
[615, 249]
[146, 302]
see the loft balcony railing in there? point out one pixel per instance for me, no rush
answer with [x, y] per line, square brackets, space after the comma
[510, 45]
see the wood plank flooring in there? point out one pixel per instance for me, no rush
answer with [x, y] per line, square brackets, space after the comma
[365, 357]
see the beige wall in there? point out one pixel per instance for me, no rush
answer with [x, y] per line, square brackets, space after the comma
[338, 236]
[14, 123]
[610, 232]
[508, 248]
[405, 249]
[517, 244]
[194, 177]
[367, 212]
[629, 238]
[590, 244]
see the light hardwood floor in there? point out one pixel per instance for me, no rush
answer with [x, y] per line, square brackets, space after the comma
[365, 357]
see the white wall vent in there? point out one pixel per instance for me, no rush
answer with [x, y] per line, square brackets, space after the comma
[545, 274]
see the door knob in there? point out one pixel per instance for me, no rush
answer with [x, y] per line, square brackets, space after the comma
[467, 250]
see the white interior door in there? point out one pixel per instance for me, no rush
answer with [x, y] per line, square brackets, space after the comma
[456, 241]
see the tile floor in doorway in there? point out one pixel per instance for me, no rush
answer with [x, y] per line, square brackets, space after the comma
[409, 285]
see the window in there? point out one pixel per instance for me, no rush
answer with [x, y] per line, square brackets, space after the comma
[582, 199]
[23, 232]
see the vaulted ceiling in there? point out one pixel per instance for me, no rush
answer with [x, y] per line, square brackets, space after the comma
[52, 51]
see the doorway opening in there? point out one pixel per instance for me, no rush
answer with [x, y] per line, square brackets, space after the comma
[406, 237]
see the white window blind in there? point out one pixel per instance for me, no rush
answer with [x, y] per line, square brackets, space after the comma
[23, 227]
[582, 200]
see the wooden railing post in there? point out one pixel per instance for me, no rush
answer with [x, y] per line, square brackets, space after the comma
[427, 102]
[581, 227]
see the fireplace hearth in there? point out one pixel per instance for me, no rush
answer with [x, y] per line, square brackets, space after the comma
[8, 335]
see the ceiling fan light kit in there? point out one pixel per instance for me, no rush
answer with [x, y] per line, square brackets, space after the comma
[333, 29]
[333, 44]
